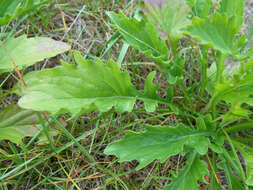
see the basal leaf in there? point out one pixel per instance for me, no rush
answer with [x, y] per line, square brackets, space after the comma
[195, 170]
[27, 51]
[233, 9]
[16, 123]
[158, 143]
[11, 9]
[169, 16]
[83, 88]
[218, 31]
[141, 35]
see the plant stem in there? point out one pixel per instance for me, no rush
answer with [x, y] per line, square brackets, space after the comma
[203, 81]
[173, 46]
[220, 67]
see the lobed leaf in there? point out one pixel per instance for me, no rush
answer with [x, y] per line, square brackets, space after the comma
[169, 16]
[83, 88]
[158, 143]
[27, 51]
[233, 9]
[219, 32]
[195, 170]
[237, 89]
[142, 36]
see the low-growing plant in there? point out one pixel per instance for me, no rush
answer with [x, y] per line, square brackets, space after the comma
[18, 53]
[214, 109]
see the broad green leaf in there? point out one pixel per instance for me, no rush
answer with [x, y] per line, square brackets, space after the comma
[169, 17]
[16, 123]
[158, 143]
[141, 35]
[83, 88]
[195, 170]
[230, 68]
[200, 8]
[233, 9]
[218, 31]
[27, 51]
[205, 122]
[11, 9]
[237, 89]
[235, 113]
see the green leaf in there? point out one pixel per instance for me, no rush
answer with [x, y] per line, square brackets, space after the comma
[249, 168]
[218, 31]
[142, 36]
[233, 9]
[248, 158]
[150, 92]
[27, 51]
[17, 123]
[175, 70]
[232, 180]
[237, 89]
[247, 153]
[86, 87]
[170, 17]
[11, 9]
[187, 179]
[158, 143]
[200, 8]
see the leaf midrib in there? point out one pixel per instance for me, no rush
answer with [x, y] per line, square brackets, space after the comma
[122, 97]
